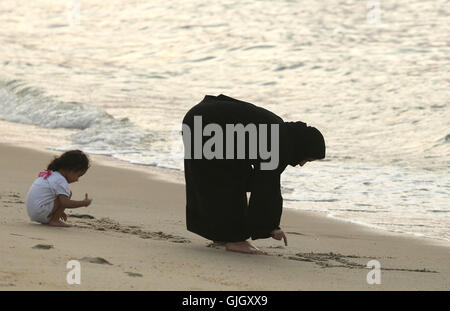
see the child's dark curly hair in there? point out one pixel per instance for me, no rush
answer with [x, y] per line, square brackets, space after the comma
[73, 160]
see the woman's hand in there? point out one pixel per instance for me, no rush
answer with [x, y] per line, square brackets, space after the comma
[87, 201]
[278, 234]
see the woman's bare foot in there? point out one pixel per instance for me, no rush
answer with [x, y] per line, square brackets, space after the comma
[244, 247]
[58, 223]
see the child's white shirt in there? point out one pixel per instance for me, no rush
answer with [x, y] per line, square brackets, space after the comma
[42, 195]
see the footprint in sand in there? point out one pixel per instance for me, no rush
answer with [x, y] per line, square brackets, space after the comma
[97, 260]
[109, 225]
[43, 246]
[133, 274]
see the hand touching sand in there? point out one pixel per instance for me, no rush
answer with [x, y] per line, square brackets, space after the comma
[278, 234]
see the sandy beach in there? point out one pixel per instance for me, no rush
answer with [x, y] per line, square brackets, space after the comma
[133, 237]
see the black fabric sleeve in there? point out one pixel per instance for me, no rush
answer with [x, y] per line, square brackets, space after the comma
[265, 205]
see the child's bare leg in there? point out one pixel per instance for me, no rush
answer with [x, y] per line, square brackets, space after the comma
[244, 247]
[56, 214]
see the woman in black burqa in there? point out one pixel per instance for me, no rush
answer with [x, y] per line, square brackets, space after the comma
[216, 189]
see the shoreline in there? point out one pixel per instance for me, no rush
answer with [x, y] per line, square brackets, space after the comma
[142, 215]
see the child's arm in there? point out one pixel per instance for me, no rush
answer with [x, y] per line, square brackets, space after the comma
[68, 203]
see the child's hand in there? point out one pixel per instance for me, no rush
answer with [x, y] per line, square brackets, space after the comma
[87, 201]
[278, 234]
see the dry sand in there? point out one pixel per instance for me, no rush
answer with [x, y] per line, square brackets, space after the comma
[133, 237]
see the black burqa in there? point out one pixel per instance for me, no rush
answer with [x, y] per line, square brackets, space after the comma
[216, 189]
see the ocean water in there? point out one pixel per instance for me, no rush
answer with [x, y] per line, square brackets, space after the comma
[116, 77]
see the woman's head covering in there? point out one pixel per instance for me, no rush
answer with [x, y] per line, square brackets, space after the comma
[306, 142]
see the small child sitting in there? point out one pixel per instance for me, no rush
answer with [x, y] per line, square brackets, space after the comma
[50, 195]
